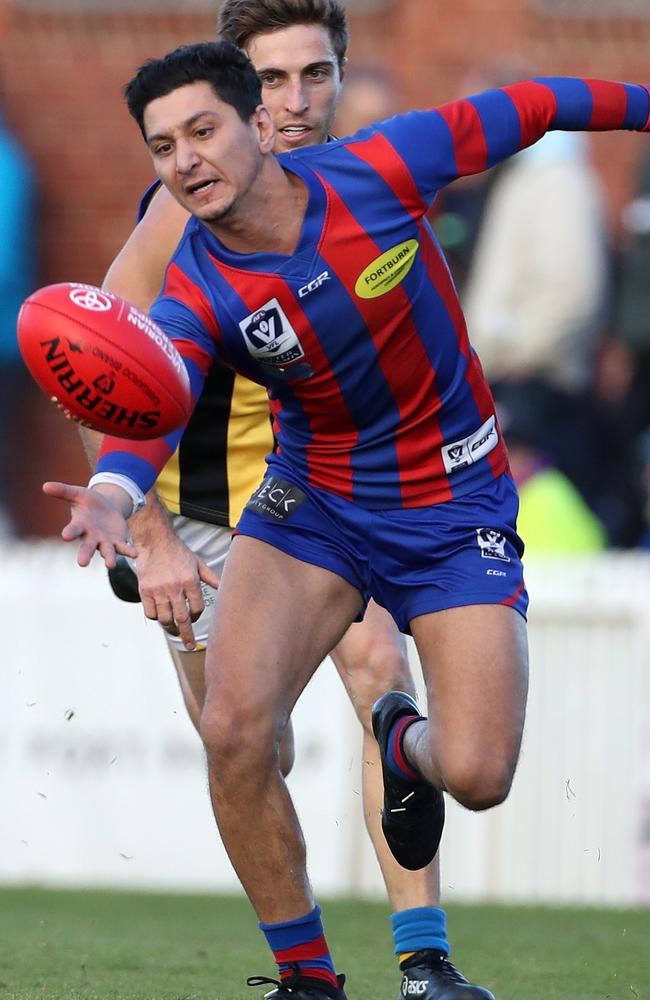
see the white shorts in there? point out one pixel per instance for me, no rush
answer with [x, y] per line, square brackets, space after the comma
[210, 542]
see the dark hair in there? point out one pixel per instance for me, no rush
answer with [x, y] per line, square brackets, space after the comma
[226, 68]
[239, 20]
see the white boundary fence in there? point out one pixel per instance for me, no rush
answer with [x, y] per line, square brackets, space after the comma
[103, 778]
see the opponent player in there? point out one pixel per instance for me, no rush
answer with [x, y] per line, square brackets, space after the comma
[298, 47]
[391, 477]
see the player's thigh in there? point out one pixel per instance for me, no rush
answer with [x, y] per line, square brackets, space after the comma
[371, 659]
[190, 669]
[475, 664]
[276, 618]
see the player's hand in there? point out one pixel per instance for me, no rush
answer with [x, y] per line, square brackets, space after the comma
[96, 521]
[170, 577]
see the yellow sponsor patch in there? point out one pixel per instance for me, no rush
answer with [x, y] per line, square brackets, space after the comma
[385, 272]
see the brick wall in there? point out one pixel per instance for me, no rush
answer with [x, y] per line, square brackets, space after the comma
[62, 79]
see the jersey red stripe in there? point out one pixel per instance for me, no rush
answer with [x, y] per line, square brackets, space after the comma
[399, 349]
[384, 158]
[441, 278]
[610, 104]
[466, 127]
[534, 102]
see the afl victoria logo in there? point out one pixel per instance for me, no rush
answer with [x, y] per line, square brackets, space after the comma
[387, 271]
[91, 299]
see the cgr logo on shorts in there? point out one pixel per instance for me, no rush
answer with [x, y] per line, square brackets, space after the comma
[276, 498]
[492, 544]
[270, 337]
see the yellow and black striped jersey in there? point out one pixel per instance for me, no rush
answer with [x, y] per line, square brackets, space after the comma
[220, 458]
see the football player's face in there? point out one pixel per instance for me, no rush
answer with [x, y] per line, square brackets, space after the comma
[202, 151]
[301, 83]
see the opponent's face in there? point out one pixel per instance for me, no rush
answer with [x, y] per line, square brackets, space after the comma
[301, 83]
[203, 152]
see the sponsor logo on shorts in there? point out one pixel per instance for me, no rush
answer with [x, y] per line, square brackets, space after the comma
[492, 544]
[276, 499]
[270, 337]
[387, 271]
[460, 454]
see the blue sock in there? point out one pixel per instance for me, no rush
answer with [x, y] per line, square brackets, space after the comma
[419, 928]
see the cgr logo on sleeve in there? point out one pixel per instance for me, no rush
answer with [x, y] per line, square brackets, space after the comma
[276, 498]
[270, 337]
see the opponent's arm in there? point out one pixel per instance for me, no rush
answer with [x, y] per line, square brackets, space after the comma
[169, 573]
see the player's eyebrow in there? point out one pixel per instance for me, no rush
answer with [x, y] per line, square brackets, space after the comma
[184, 125]
[318, 64]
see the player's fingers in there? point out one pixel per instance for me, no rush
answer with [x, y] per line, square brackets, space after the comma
[148, 605]
[127, 549]
[183, 620]
[86, 552]
[165, 616]
[208, 575]
[63, 491]
[195, 601]
[72, 530]
[107, 552]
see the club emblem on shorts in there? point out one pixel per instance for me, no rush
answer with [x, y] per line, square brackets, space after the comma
[270, 337]
[492, 544]
[276, 498]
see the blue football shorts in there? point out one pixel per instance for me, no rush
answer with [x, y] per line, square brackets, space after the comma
[412, 561]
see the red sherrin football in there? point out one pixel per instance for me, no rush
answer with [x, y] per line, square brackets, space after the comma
[103, 362]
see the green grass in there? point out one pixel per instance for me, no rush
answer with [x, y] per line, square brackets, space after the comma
[122, 946]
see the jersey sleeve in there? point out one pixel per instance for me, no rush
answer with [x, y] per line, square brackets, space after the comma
[474, 134]
[142, 461]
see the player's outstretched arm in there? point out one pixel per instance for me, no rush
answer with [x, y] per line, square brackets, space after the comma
[97, 520]
[138, 271]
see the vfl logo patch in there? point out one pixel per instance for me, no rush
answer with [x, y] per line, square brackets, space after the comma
[460, 454]
[269, 336]
[276, 499]
[385, 272]
[492, 544]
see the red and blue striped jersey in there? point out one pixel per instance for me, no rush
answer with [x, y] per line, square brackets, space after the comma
[375, 391]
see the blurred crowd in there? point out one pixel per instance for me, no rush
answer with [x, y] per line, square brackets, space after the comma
[557, 308]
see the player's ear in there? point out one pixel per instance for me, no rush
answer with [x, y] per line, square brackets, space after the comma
[265, 129]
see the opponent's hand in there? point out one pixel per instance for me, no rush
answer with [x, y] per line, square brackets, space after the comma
[169, 577]
[96, 520]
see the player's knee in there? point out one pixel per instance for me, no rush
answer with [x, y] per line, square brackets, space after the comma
[479, 785]
[226, 735]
